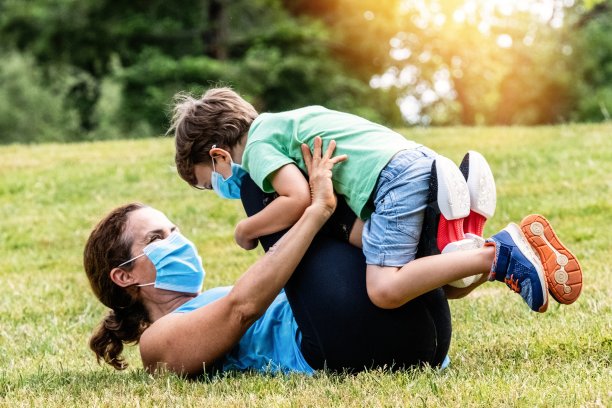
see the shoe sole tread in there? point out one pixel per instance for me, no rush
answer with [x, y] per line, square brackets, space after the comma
[562, 269]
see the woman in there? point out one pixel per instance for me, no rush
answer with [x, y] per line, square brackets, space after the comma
[331, 323]
[189, 342]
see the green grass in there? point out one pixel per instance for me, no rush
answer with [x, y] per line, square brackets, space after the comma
[502, 354]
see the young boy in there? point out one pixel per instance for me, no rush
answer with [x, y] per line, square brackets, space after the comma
[385, 181]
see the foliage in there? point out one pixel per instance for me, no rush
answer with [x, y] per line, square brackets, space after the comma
[594, 65]
[428, 62]
[502, 354]
[33, 105]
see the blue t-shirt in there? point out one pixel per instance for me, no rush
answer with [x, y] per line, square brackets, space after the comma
[271, 344]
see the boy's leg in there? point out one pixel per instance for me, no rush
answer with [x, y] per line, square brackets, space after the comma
[390, 287]
[507, 256]
[391, 235]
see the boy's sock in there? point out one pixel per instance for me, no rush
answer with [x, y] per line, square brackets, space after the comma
[562, 269]
[517, 264]
[481, 187]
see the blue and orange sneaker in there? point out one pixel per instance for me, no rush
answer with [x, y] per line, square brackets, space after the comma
[561, 267]
[517, 265]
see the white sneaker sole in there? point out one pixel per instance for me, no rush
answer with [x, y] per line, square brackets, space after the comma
[481, 185]
[464, 245]
[453, 194]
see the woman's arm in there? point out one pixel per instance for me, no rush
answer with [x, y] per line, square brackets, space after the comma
[185, 342]
[293, 198]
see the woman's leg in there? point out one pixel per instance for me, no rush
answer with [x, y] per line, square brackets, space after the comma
[341, 328]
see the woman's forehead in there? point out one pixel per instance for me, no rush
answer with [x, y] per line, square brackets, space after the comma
[147, 219]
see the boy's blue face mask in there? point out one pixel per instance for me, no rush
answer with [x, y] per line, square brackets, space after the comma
[178, 265]
[229, 187]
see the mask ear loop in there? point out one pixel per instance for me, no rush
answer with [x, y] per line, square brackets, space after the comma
[130, 260]
[213, 159]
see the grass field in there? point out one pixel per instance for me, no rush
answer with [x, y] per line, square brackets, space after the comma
[502, 353]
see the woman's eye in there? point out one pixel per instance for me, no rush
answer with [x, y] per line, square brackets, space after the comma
[155, 238]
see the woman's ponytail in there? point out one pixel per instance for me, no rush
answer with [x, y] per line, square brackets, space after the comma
[108, 246]
[126, 326]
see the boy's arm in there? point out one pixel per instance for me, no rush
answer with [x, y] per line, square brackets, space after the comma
[293, 198]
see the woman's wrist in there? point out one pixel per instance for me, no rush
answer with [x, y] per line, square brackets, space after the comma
[318, 213]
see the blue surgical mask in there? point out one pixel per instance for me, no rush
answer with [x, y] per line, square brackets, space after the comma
[178, 265]
[229, 187]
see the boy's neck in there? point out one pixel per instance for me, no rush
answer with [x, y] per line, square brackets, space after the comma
[238, 150]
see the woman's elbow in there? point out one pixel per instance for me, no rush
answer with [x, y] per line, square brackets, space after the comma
[244, 312]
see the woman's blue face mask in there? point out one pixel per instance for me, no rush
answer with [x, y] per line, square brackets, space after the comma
[229, 187]
[178, 265]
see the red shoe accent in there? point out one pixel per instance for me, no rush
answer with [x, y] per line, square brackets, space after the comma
[513, 284]
[474, 223]
[449, 231]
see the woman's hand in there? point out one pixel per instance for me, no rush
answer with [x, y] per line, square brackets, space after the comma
[319, 168]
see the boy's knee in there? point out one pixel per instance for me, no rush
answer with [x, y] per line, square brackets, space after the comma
[382, 289]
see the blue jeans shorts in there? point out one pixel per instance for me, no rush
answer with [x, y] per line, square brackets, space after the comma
[391, 235]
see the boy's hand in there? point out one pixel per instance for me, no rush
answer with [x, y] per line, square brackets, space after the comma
[241, 238]
[319, 168]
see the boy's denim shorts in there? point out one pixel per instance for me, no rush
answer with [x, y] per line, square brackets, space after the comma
[391, 235]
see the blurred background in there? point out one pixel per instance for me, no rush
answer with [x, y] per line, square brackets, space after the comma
[106, 69]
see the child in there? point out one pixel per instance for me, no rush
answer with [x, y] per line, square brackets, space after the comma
[386, 181]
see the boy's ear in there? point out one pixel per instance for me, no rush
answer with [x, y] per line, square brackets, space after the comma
[220, 154]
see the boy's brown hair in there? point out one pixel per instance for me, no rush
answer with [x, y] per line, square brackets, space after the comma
[220, 117]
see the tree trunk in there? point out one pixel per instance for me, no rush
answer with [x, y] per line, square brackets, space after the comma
[216, 32]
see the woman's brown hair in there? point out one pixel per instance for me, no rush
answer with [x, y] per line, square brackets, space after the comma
[108, 246]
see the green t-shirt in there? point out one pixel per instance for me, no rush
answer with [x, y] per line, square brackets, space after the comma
[274, 140]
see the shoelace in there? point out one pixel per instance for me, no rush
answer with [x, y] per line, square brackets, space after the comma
[513, 283]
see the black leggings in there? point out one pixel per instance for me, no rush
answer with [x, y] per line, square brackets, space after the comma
[341, 329]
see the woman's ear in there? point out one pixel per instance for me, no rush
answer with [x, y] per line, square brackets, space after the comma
[121, 277]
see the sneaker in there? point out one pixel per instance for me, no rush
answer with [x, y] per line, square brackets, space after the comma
[517, 265]
[470, 242]
[447, 206]
[562, 270]
[481, 187]
[453, 199]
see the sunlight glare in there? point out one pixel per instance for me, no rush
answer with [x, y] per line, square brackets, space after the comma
[504, 41]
